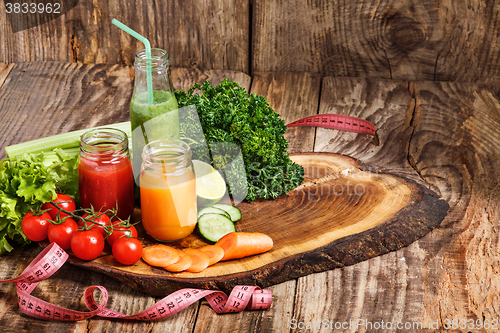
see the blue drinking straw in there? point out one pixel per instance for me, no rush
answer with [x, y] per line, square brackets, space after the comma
[147, 46]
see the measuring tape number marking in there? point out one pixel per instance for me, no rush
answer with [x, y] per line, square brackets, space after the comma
[53, 257]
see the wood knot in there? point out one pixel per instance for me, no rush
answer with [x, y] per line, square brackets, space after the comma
[406, 34]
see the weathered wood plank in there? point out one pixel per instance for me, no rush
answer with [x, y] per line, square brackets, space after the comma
[452, 145]
[387, 104]
[4, 72]
[379, 39]
[293, 96]
[386, 288]
[211, 34]
[455, 146]
[129, 301]
[272, 320]
[60, 97]
[381, 292]
[183, 78]
[409, 40]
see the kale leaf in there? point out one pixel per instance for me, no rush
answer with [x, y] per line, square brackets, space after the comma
[228, 113]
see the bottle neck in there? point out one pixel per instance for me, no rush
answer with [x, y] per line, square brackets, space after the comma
[158, 65]
[159, 60]
[167, 156]
[104, 144]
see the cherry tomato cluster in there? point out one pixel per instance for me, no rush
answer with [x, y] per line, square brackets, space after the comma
[85, 238]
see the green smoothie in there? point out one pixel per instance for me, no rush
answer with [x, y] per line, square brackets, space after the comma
[151, 122]
[163, 102]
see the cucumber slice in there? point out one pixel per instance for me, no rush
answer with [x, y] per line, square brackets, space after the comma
[212, 226]
[234, 213]
[213, 210]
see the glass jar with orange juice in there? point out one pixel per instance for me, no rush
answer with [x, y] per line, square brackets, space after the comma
[168, 190]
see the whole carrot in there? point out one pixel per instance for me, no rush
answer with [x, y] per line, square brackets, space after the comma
[243, 244]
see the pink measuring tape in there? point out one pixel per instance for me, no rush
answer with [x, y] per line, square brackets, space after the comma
[53, 257]
[336, 121]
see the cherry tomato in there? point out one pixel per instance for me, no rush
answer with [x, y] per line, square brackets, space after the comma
[35, 227]
[99, 218]
[118, 232]
[68, 206]
[61, 233]
[127, 251]
[87, 244]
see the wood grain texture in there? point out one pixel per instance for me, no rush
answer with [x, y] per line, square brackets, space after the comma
[409, 40]
[293, 96]
[272, 320]
[458, 153]
[387, 288]
[55, 95]
[70, 96]
[209, 34]
[388, 104]
[448, 134]
[4, 72]
[183, 78]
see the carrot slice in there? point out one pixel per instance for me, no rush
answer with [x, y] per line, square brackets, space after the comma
[243, 244]
[215, 253]
[200, 260]
[160, 255]
[181, 265]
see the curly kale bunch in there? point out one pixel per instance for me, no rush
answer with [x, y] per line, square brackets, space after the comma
[228, 113]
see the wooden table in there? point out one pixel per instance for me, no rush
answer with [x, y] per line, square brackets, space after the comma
[444, 135]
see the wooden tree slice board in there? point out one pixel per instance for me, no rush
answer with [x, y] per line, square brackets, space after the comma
[343, 213]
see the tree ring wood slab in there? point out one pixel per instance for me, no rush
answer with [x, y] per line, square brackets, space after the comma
[340, 215]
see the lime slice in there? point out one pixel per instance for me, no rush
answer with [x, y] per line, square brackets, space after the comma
[210, 186]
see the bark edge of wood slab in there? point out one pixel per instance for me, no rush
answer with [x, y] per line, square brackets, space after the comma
[419, 213]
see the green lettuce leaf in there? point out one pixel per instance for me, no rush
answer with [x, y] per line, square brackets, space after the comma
[65, 174]
[25, 184]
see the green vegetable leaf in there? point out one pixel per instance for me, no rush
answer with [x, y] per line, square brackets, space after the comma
[7, 209]
[25, 184]
[228, 113]
[65, 173]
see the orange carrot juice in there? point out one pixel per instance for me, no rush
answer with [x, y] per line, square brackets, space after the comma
[168, 203]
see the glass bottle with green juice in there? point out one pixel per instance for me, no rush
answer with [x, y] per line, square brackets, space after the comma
[152, 119]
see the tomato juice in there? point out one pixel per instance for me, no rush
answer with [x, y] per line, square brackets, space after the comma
[104, 184]
[105, 176]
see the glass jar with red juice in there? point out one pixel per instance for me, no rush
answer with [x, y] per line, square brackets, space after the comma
[105, 176]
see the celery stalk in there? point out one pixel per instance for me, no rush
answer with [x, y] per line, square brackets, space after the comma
[64, 141]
